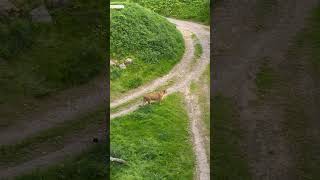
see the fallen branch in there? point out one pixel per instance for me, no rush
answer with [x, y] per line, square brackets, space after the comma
[112, 159]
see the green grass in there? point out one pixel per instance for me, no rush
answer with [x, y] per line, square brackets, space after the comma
[198, 50]
[91, 164]
[154, 44]
[155, 141]
[39, 59]
[228, 161]
[265, 78]
[50, 138]
[195, 10]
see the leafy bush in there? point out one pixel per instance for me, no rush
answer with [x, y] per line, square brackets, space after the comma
[115, 73]
[134, 82]
[85, 62]
[15, 36]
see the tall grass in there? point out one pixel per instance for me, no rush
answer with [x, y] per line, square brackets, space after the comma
[155, 141]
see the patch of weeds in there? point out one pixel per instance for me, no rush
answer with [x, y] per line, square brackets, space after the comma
[193, 87]
[198, 50]
[265, 78]
[133, 82]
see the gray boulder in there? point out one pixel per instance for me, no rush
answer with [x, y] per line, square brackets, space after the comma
[41, 15]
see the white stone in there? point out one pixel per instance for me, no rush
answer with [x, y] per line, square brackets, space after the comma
[128, 61]
[112, 63]
[116, 6]
[122, 66]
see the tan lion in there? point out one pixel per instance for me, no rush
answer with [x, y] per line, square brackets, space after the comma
[156, 96]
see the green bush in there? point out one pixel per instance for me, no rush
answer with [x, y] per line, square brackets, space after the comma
[134, 82]
[85, 62]
[115, 73]
[15, 36]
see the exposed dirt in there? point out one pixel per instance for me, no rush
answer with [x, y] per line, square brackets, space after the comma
[239, 49]
[203, 167]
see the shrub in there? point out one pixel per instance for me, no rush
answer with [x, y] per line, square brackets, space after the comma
[133, 82]
[15, 37]
[85, 62]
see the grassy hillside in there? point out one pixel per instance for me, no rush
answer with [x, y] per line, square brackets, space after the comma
[154, 44]
[196, 10]
[37, 59]
[155, 141]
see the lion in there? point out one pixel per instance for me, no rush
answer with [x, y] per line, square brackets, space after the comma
[156, 96]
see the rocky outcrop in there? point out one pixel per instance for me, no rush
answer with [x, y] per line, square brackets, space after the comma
[41, 15]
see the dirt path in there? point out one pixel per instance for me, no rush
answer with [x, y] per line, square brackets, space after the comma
[239, 51]
[203, 167]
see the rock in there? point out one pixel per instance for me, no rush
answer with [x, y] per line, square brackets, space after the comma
[56, 3]
[41, 14]
[122, 66]
[112, 63]
[7, 8]
[128, 61]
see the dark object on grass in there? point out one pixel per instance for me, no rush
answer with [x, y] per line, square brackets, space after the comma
[95, 140]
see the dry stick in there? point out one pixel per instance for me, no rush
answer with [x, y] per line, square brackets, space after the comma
[112, 159]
